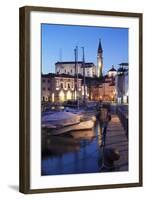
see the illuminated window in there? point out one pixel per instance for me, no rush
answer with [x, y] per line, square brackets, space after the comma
[52, 97]
[68, 96]
[61, 96]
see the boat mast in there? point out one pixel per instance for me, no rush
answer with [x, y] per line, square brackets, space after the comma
[77, 94]
[84, 80]
[75, 75]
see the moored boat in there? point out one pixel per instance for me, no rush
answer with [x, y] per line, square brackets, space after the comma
[85, 125]
[60, 119]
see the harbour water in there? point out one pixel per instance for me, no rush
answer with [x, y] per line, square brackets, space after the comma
[100, 149]
[73, 152]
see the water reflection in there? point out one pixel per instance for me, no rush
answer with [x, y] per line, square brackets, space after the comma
[73, 152]
[99, 127]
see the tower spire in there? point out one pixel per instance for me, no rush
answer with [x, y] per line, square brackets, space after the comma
[100, 47]
[99, 60]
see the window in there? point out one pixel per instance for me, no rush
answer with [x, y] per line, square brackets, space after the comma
[44, 80]
[57, 83]
[61, 85]
[68, 86]
[44, 88]
[48, 81]
[71, 71]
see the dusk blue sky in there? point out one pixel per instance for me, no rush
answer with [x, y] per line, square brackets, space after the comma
[59, 42]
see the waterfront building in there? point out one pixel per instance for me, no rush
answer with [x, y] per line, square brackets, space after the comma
[60, 88]
[103, 89]
[106, 90]
[122, 82]
[72, 68]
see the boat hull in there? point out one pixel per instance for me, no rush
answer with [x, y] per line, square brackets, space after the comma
[86, 125]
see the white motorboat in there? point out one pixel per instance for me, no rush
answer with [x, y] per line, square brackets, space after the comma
[60, 119]
[48, 125]
[84, 115]
[85, 125]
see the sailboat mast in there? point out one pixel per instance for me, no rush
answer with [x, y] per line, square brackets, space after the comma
[75, 74]
[77, 77]
[84, 79]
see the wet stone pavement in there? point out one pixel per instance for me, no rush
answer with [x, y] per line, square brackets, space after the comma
[117, 139]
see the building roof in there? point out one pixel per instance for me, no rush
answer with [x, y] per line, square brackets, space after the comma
[87, 64]
[68, 62]
[124, 64]
[53, 75]
[112, 69]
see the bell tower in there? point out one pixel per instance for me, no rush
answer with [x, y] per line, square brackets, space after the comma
[99, 60]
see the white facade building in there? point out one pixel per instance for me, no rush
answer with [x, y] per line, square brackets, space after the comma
[60, 88]
[122, 85]
[71, 69]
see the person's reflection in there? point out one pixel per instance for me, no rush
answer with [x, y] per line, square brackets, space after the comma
[99, 126]
[104, 134]
[104, 118]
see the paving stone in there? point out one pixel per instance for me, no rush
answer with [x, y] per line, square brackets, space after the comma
[116, 139]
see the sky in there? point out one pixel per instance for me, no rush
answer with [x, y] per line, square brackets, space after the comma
[59, 41]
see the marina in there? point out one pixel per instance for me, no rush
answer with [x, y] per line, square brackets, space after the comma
[87, 150]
